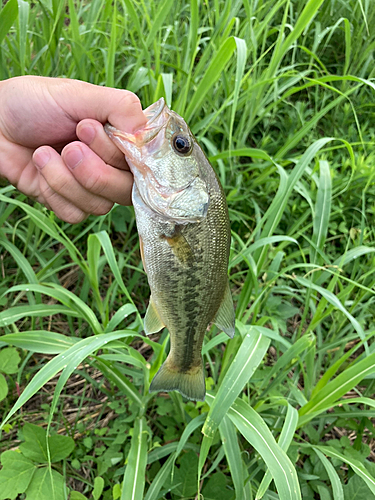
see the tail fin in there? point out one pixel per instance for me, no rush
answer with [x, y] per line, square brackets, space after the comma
[190, 383]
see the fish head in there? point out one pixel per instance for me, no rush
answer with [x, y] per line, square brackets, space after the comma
[166, 163]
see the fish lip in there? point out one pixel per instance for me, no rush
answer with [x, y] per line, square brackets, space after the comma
[148, 131]
[154, 111]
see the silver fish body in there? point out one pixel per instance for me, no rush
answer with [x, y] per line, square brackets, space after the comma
[183, 225]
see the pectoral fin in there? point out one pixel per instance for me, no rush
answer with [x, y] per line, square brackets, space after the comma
[142, 253]
[181, 248]
[225, 317]
[152, 322]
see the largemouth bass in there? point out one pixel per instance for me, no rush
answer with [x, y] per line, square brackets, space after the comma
[184, 232]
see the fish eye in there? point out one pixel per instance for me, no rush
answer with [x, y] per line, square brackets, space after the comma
[182, 144]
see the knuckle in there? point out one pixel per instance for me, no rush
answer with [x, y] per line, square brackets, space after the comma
[46, 191]
[130, 100]
[102, 208]
[73, 215]
[96, 183]
[59, 183]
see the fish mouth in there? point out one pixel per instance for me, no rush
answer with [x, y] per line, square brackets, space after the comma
[154, 111]
[157, 118]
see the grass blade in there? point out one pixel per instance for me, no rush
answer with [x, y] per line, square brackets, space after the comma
[338, 387]
[286, 437]
[337, 491]
[248, 357]
[356, 465]
[8, 15]
[322, 209]
[66, 297]
[42, 341]
[160, 479]
[111, 259]
[233, 453]
[23, 21]
[21, 260]
[84, 347]
[13, 314]
[111, 53]
[253, 428]
[211, 75]
[134, 477]
[332, 299]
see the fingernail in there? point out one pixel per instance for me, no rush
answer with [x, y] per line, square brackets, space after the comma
[87, 134]
[41, 158]
[73, 157]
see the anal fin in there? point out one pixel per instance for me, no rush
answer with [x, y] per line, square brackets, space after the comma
[225, 316]
[152, 321]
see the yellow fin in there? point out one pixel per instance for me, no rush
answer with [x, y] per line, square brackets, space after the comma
[181, 248]
[225, 317]
[190, 384]
[152, 322]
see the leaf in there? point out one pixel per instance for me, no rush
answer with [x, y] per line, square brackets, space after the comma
[76, 495]
[66, 297]
[244, 254]
[216, 488]
[253, 428]
[343, 383]
[248, 358]
[122, 313]
[9, 360]
[35, 445]
[106, 244]
[18, 256]
[41, 341]
[13, 314]
[356, 489]
[233, 453]
[291, 355]
[46, 225]
[356, 465]
[76, 354]
[322, 210]
[113, 374]
[285, 439]
[211, 75]
[184, 483]
[16, 474]
[60, 447]
[98, 488]
[160, 479]
[273, 215]
[8, 15]
[134, 477]
[23, 20]
[337, 490]
[3, 387]
[330, 297]
[46, 484]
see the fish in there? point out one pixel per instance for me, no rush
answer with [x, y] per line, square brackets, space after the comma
[184, 234]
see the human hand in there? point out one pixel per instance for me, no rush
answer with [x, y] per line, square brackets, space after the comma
[40, 121]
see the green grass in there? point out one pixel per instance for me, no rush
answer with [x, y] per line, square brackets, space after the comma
[280, 94]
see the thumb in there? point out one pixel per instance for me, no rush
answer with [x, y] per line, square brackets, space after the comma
[82, 100]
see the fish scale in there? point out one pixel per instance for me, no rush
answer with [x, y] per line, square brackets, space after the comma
[183, 225]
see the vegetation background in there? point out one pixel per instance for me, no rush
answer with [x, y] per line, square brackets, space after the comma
[280, 93]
